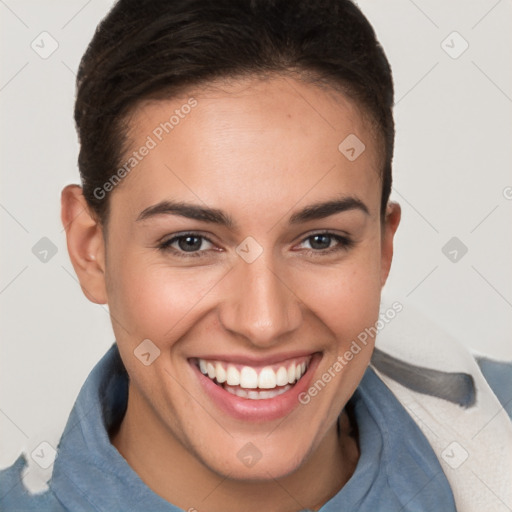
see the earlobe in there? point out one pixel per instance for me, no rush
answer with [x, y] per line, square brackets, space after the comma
[392, 220]
[86, 248]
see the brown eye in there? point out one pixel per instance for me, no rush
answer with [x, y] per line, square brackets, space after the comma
[187, 244]
[321, 243]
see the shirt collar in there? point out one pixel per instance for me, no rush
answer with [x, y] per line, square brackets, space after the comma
[90, 474]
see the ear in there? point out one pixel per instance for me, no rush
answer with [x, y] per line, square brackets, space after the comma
[392, 220]
[86, 247]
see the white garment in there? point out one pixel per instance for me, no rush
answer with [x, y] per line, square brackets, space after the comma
[474, 444]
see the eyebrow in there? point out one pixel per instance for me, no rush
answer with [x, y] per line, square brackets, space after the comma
[215, 216]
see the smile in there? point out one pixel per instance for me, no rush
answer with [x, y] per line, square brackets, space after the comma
[252, 390]
[252, 382]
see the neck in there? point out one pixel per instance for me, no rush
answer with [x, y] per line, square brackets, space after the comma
[170, 470]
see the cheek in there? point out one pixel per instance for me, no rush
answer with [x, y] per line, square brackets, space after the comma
[160, 302]
[346, 298]
[155, 301]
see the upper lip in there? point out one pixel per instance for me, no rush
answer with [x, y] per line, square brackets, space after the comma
[250, 360]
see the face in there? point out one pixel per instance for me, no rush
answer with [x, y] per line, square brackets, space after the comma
[219, 253]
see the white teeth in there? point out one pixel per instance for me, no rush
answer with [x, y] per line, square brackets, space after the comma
[291, 373]
[281, 376]
[298, 372]
[256, 395]
[233, 376]
[242, 393]
[248, 377]
[267, 378]
[220, 373]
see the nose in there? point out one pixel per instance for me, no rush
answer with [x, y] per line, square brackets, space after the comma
[262, 305]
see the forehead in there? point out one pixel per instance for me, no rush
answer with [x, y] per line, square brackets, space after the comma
[248, 144]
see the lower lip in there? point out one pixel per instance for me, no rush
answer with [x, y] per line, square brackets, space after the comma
[258, 410]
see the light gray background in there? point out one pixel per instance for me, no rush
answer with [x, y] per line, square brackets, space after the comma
[451, 175]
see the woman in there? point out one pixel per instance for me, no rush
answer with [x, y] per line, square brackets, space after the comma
[234, 214]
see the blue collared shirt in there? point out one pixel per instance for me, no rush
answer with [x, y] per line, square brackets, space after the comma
[397, 468]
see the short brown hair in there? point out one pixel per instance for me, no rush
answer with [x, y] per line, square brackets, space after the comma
[156, 48]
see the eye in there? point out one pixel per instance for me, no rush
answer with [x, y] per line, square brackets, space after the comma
[185, 245]
[321, 243]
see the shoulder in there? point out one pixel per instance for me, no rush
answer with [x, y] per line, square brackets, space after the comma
[15, 497]
[498, 375]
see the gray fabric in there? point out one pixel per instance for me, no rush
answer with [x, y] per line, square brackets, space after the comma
[456, 387]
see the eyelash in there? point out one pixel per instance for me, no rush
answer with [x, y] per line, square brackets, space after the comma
[344, 244]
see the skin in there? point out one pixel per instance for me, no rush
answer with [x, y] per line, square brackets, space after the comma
[260, 150]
